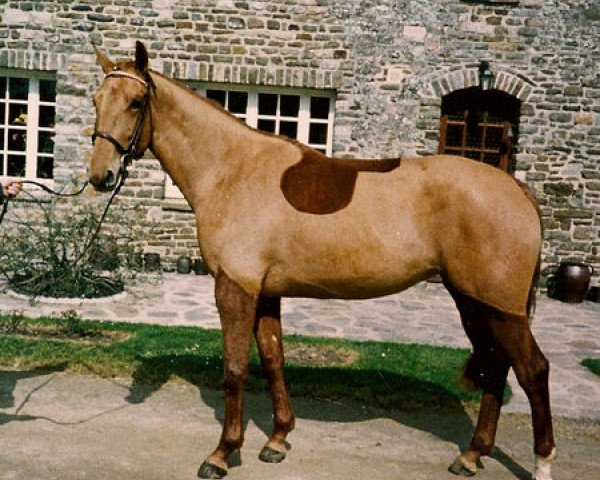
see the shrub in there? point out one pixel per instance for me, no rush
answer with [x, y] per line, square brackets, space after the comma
[53, 252]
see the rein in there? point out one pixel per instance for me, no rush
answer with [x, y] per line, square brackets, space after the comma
[127, 154]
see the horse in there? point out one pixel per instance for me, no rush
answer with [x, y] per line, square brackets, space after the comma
[275, 218]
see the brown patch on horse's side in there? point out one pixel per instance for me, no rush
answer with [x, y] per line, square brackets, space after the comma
[321, 185]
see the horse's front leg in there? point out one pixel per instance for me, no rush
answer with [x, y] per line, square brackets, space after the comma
[237, 310]
[270, 345]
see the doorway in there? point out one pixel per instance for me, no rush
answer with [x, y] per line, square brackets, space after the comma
[480, 125]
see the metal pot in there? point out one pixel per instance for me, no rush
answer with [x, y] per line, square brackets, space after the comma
[184, 264]
[152, 261]
[571, 281]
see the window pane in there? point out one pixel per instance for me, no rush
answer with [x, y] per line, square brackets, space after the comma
[319, 107]
[2, 87]
[289, 129]
[1, 139]
[45, 167]
[267, 104]
[266, 125]
[2, 112]
[454, 135]
[47, 90]
[46, 116]
[17, 114]
[317, 133]
[218, 95]
[493, 137]
[474, 136]
[16, 166]
[46, 142]
[2, 157]
[238, 102]
[17, 140]
[290, 105]
[18, 88]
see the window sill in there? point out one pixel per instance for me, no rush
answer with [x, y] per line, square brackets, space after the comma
[176, 205]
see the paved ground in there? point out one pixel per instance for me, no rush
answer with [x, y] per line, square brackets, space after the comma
[55, 425]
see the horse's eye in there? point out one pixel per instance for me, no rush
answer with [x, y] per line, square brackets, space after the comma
[135, 105]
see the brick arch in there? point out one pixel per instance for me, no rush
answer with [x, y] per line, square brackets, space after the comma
[435, 86]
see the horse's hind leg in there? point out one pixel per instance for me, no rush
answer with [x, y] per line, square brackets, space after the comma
[269, 340]
[512, 343]
[237, 310]
[532, 370]
[487, 368]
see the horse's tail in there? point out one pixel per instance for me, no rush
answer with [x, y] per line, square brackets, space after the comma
[531, 300]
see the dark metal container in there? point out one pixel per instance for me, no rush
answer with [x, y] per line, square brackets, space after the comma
[570, 282]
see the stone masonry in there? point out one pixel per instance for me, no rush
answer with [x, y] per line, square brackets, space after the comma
[389, 63]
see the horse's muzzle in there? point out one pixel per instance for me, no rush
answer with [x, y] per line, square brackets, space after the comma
[104, 183]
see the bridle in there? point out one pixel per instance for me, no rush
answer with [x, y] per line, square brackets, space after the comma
[129, 152]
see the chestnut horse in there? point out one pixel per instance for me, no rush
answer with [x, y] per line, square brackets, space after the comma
[275, 218]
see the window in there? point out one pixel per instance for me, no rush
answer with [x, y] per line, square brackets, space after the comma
[27, 112]
[297, 114]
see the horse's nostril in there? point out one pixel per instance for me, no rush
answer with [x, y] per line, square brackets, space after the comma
[109, 179]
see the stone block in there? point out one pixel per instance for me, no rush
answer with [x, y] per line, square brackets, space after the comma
[414, 33]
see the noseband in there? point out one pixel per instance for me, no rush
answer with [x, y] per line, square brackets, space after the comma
[130, 151]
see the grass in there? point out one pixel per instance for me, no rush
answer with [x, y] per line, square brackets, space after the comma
[378, 374]
[593, 364]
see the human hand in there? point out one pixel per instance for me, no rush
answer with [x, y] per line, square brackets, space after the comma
[10, 188]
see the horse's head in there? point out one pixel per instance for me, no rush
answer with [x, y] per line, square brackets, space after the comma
[123, 124]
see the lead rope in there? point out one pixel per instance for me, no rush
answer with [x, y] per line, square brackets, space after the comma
[94, 236]
[115, 192]
[45, 188]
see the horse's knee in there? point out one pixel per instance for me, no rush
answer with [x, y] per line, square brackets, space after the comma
[234, 379]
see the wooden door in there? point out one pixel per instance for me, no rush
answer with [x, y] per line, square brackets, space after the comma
[480, 125]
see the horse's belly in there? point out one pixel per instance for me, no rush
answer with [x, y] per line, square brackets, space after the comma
[340, 283]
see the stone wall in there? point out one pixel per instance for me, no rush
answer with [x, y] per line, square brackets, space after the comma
[390, 63]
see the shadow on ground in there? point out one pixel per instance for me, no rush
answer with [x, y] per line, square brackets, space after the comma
[8, 382]
[436, 412]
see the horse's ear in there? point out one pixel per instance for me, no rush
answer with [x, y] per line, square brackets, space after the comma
[106, 63]
[141, 57]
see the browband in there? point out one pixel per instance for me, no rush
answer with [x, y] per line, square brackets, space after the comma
[121, 73]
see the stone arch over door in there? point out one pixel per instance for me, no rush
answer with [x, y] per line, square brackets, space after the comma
[428, 91]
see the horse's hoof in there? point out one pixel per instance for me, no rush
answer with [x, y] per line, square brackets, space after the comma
[208, 470]
[270, 455]
[459, 468]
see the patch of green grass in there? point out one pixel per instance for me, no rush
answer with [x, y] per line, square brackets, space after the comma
[593, 364]
[380, 374]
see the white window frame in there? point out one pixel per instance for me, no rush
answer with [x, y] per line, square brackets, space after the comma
[32, 128]
[251, 116]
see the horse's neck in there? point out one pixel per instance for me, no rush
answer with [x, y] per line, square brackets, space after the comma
[195, 142]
